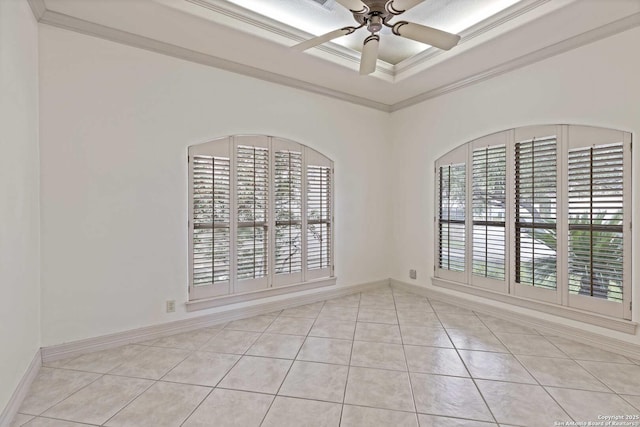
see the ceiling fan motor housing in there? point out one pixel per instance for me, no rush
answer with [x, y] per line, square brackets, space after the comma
[375, 16]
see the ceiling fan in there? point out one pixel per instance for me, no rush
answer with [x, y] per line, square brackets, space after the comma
[374, 14]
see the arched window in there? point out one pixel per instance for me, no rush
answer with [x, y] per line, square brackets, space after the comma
[539, 212]
[261, 215]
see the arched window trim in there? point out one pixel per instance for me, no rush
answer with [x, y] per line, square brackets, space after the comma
[528, 151]
[261, 215]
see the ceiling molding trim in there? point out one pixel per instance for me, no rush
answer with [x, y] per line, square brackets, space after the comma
[123, 37]
[38, 8]
[288, 32]
[277, 28]
[470, 33]
[92, 29]
[574, 42]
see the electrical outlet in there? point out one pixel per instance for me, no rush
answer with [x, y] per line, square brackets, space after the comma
[413, 274]
[171, 306]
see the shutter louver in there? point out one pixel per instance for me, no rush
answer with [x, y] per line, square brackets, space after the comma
[252, 188]
[259, 216]
[318, 217]
[452, 198]
[535, 212]
[211, 220]
[288, 211]
[596, 221]
[489, 207]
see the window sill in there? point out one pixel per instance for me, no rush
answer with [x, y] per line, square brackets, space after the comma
[620, 325]
[202, 304]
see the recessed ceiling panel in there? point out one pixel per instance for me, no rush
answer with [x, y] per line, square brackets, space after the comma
[319, 16]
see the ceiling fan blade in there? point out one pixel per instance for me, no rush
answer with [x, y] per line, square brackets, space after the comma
[397, 7]
[369, 54]
[427, 35]
[307, 44]
[356, 6]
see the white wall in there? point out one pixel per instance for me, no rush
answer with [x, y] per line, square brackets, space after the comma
[594, 85]
[19, 195]
[116, 123]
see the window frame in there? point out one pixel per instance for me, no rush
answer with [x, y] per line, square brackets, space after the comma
[567, 138]
[262, 282]
[457, 156]
[235, 287]
[519, 289]
[579, 137]
[212, 148]
[283, 279]
[316, 159]
[487, 142]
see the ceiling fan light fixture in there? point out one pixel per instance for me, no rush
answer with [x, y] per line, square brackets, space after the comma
[374, 24]
[427, 35]
[369, 54]
[316, 41]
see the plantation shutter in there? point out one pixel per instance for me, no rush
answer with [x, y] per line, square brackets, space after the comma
[210, 209]
[287, 169]
[489, 208]
[319, 218]
[598, 193]
[535, 221]
[548, 218]
[260, 216]
[451, 201]
[252, 212]
[452, 180]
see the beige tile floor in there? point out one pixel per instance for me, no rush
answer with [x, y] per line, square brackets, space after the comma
[380, 358]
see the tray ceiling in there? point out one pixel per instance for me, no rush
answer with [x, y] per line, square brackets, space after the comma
[319, 17]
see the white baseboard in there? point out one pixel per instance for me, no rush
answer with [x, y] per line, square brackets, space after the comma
[21, 390]
[582, 316]
[232, 312]
[546, 326]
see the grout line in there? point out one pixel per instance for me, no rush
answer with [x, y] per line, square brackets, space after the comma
[241, 356]
[467, 368]
[129, 403]
[155, 381]
[406, 362]
[528, 372]
[346, 382]
[597, 377]
[72, 393]
[518, 356]
[339, 307]
[201, 402]
[57, 419]
[291, 365]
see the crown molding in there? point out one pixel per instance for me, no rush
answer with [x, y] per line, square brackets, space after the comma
[571, 43]
[134, 40]
[37, 8]
[471, 33]
[275, 31]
